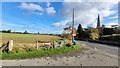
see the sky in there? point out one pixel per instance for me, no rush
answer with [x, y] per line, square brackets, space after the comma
[52, 17]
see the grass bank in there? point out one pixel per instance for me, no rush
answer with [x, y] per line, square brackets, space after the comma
[40, 53]
[113, 37]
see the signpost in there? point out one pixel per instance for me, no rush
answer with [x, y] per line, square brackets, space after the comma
[37, 44]
[73, 34]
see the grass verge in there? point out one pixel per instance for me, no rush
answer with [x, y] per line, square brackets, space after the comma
[39, 53]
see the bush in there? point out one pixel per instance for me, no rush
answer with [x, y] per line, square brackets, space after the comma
[68, 42]
[94, 36]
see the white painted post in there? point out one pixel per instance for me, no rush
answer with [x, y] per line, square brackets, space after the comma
[10, 45]
[37, 44]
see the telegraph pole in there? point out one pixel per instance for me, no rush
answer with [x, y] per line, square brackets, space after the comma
[73, 28]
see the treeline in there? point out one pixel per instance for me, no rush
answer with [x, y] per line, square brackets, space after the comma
[6, 31]
[10, 31]
[26, 32]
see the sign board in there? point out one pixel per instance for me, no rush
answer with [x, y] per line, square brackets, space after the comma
[10, 45]
[73, 34]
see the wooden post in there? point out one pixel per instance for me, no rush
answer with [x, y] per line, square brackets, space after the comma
[37, 44]
[54, 44]
[64, 41]
[10, 45]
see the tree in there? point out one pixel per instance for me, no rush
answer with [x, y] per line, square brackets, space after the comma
[9, 31]
[38, 33]
[94, 33]
[80, 31]
[68, 32]
[114, 26]
[25, 32]
[103, 25]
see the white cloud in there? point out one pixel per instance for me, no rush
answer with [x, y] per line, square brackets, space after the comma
[58, 32]
[114, 17]
[48, 4]
[72, 0]
[60, 24]
[0, 23]
[31, 6]
[114, 1]
[50, 10]
[37, 13]
[87, 12]
[110, 24]
[105, 13]
[15, 25]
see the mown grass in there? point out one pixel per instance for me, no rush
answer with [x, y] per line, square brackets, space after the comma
[27, 37]
[39, 53]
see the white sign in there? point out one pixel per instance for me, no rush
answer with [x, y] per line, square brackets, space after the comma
[73, 34]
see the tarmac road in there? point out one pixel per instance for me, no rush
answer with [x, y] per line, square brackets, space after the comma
[91, 54]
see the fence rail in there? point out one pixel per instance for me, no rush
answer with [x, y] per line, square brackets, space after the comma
[3, 47]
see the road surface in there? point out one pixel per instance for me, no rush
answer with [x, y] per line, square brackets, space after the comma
[91, 54]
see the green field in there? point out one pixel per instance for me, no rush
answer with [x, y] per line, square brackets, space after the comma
[27, 37]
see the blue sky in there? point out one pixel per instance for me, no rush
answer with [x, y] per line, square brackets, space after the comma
[52, 17]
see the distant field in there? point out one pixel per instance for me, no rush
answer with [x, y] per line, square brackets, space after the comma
[22, 38]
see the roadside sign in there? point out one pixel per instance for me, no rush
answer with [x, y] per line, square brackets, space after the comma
[73, 34]
[10, 45]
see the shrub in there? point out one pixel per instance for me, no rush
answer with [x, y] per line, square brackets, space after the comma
[94, 36]
[68, 42]
[93, 33]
